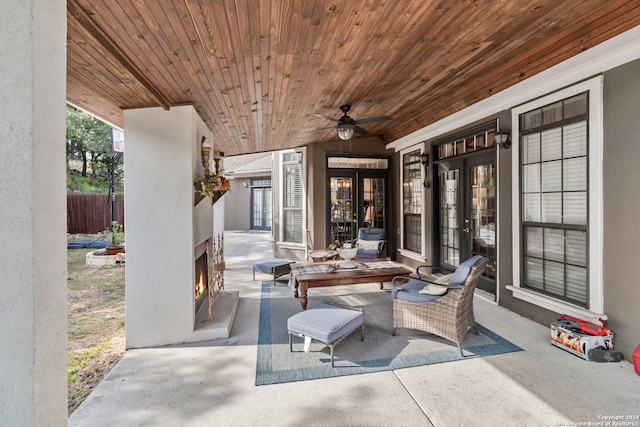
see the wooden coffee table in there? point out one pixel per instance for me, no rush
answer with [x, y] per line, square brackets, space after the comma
[343, 277]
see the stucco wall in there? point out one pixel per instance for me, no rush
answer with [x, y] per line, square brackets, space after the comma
[237, 205]
[163, 162]
[622, 204]
[33, 282]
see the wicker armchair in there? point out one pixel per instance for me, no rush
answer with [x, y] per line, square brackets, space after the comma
[449, 316]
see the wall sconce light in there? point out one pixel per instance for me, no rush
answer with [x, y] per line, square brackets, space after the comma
[424, 159]
[503, 140]
[205, 148]
[218, 156]
[345, 131]
[245, 184]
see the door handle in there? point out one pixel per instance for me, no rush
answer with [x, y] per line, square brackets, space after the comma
[466, 230]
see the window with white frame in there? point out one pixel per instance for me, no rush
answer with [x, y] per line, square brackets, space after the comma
[292, 197]
[559, 185]
[412, 202]
[554, 192]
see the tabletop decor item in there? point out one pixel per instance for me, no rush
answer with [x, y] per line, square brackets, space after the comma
[347, 253]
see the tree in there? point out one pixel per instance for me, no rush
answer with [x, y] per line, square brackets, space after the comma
[89, 141]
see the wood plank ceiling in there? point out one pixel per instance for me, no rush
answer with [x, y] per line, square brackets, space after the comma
[257, 70]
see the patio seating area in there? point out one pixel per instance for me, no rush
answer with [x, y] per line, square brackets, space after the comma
[212, 383]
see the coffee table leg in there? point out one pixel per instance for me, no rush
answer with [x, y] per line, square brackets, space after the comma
[303, 295]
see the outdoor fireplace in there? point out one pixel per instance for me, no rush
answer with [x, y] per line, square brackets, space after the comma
[201, 282]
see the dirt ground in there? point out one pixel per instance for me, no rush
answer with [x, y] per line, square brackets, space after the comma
[96, 323]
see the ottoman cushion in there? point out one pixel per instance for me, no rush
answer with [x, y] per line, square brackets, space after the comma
[325, 322]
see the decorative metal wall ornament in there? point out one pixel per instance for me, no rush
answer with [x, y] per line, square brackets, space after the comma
[215, 258]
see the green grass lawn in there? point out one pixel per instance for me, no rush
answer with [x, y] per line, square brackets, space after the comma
[96, 323]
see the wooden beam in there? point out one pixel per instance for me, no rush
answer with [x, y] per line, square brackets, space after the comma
[89, 24]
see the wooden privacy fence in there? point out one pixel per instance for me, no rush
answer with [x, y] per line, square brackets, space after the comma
[91, 213]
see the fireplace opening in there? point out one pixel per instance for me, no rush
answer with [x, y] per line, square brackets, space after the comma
[202, 279]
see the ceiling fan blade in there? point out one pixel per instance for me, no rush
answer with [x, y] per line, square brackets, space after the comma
[325, 117]
[361, 131]
[319, 129]
[374, 119]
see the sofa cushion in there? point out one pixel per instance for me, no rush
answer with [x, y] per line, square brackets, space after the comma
[410, 291]
[460, 275]
[368, 253]
[325, 322]
[369, 244]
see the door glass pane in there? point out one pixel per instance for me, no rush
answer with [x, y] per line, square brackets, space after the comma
[342, 215]
[483, 214]
[449, 196]
[258, 205]
[373, 202]
[268, 204]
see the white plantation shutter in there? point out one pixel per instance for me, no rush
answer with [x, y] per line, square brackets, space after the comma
[292, 200]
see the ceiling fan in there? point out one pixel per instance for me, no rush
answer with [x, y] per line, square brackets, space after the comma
[347, 126]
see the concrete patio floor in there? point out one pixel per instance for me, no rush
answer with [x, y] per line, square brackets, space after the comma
[212, 383]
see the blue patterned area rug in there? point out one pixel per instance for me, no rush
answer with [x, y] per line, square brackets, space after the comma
[380, 351]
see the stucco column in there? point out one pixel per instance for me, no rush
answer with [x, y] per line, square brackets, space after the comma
[33, 296]
[163, 162]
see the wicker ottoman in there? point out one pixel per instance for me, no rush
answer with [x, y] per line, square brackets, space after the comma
[277, 267]
[327, 323]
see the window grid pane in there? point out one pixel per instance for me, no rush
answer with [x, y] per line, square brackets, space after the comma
[555, 263]
[412, 201]
[480, 141]
[412, 233]
[357, 163]
[554, 199]
[264, 182]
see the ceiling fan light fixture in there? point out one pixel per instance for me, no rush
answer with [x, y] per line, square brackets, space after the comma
[345, 131]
